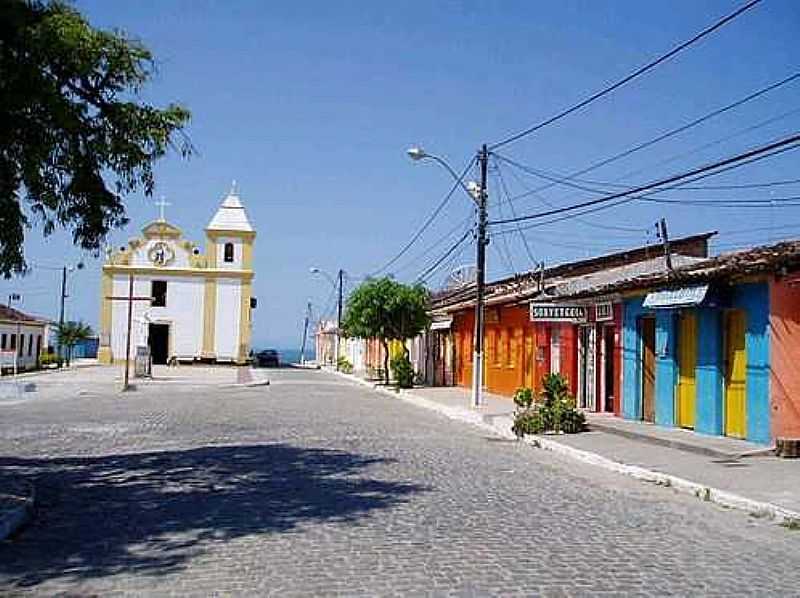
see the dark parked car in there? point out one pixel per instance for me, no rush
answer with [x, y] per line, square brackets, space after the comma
[268, 358]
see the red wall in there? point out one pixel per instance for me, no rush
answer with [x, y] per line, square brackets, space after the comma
[785, 357]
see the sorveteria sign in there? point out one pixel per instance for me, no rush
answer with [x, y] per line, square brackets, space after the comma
[554, 312]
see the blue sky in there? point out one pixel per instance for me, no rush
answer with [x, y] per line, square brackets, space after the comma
[311, 105]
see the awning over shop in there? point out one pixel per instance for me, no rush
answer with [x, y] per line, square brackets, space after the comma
[676, 298]
[442, 324]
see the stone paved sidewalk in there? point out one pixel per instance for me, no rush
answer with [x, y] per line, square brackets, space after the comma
[710, 467]
[16, 503]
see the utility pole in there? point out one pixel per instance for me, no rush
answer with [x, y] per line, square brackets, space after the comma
[480, 275]
[339, 318]
[63, 297]
[305, 334]
[665, 241]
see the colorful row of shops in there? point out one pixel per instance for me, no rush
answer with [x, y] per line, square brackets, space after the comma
[712, 344]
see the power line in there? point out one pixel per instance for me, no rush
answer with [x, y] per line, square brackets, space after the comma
[428, 222]
[793, 200]
[642, 196]
[415, 261]
[522, 236]
[581, 220]
[508, 255]
[747, 157]
[710, 144]
[638, 72]
[661, 137]
[422, 277]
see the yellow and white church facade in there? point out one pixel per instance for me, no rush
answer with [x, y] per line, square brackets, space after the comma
[190, 304]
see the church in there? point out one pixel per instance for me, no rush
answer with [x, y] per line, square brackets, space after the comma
[189, 303]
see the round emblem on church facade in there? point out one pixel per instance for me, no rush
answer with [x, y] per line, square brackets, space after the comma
[161, 254]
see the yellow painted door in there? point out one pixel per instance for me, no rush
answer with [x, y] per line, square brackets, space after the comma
[687, 361]
[529, 358]
[735, 374]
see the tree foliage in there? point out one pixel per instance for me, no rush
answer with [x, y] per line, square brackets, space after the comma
[70, 334]
[387, 310]
[75, 136]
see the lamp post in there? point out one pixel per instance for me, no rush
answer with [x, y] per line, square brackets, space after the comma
[64, 271]
[335, 284]
[478, 193]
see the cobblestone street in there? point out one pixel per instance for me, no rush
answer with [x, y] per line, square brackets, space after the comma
[317, 486]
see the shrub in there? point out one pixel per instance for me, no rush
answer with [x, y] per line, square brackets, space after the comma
[523, 397]
[554, 411]
[343, 365]
[403, 372]
[48, 359]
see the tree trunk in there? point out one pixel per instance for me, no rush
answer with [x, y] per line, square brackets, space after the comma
[385, 345]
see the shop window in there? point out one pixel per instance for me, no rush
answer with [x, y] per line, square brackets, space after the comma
[228, 251]
[491, 347]
[158, 291]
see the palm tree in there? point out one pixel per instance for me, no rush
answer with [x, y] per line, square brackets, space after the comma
[70, 334]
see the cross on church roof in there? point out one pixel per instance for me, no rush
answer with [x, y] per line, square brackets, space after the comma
[162, 203]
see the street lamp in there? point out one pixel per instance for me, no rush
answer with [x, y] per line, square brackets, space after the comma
[476, 192]
[64, 270]
[340, 276]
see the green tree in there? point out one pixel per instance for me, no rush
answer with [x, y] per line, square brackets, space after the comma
[70, 334]
[75, 136]
[387, 310]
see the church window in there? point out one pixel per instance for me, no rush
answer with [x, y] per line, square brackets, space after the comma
[159, 293]
[228, 252]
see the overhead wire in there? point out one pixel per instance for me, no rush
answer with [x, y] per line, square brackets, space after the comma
[625, 200]
[428, 271]
[772, 148]
[427, 222]
[504, 189]
[630, 77]
[509, 258]
[425, 252]
[661, 137]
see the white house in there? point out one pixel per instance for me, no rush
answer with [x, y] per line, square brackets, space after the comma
[22, 336]
[200, 301]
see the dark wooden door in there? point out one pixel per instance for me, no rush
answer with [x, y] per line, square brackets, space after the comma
[158, 339]
[648, 334]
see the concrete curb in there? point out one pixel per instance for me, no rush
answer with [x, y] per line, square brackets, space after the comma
[677, 444]
[19, 515]
[251, 384]
[500, 426]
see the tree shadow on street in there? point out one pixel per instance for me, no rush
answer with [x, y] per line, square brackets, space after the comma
[149, 513]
